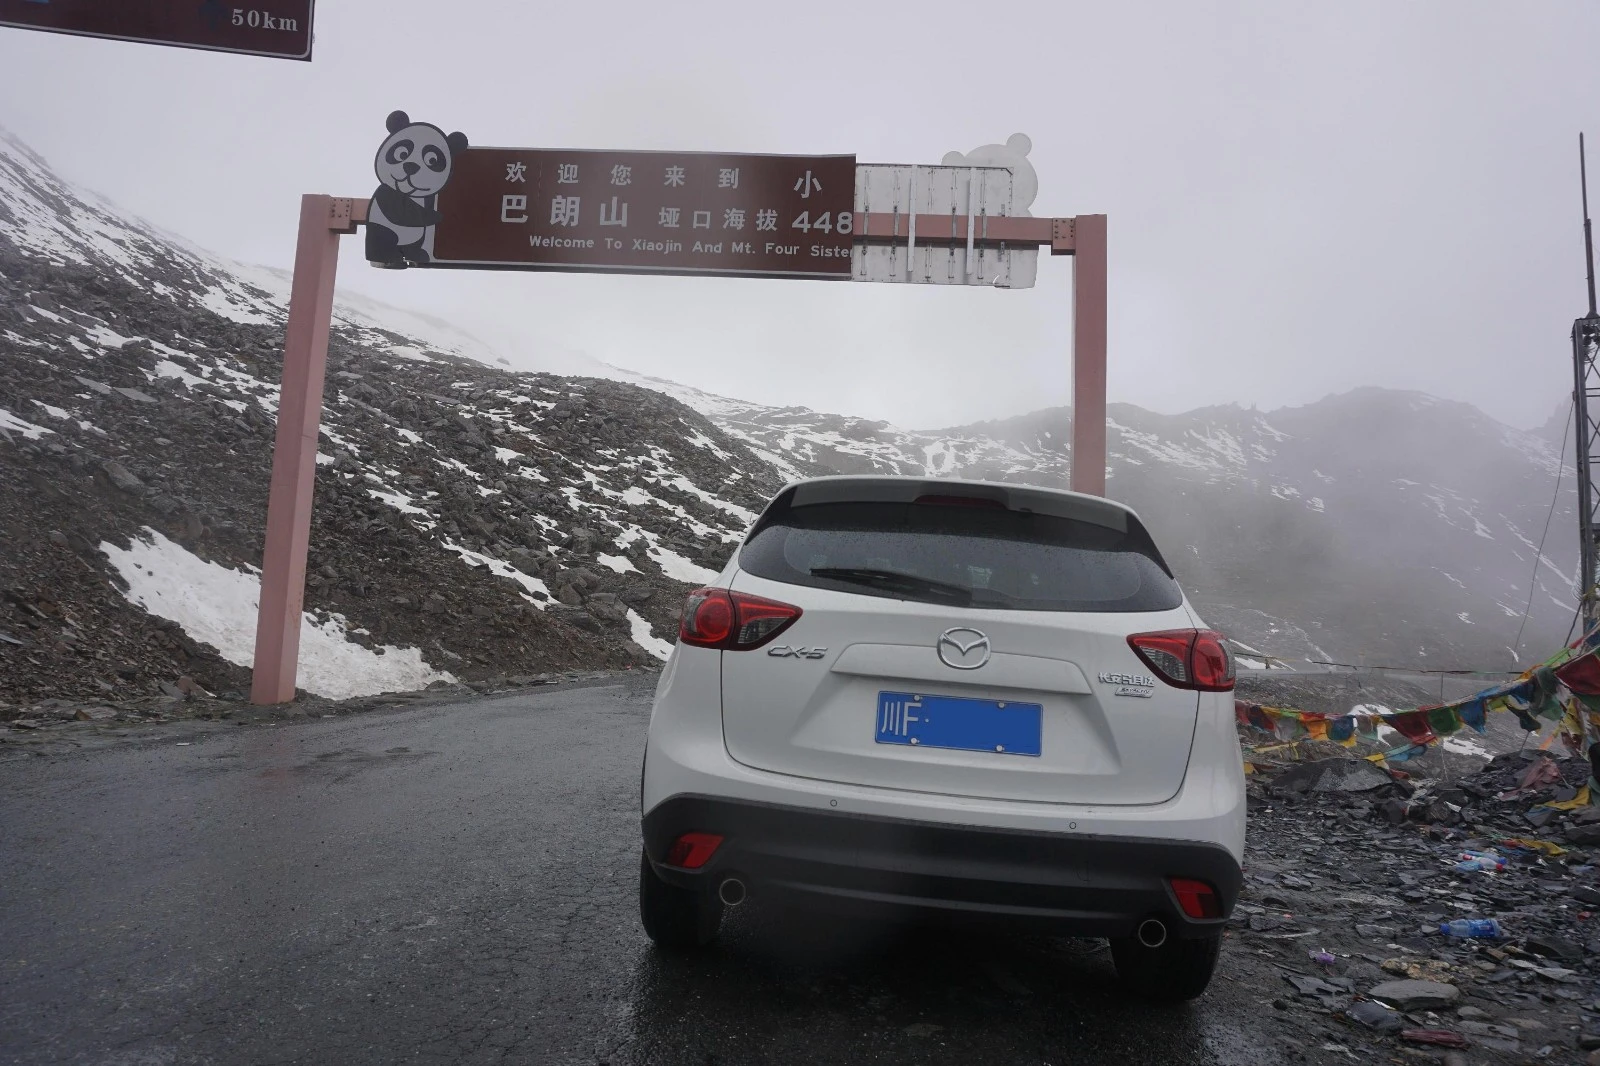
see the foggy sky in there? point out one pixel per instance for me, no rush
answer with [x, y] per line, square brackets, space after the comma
[1300, 201]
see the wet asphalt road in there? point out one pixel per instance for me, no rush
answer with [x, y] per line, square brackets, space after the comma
[457, 885]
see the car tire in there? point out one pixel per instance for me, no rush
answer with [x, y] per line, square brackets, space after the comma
[677, 919]
[1177, 971]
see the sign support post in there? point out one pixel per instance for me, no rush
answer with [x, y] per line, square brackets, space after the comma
[1089, 355]
[294, 453]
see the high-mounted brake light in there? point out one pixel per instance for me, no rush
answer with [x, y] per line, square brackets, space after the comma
[1187, 658]
[733, 621]
[693, 850]
[961, 501]
[1198, 899]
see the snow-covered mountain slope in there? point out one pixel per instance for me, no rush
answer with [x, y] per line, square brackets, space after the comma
[48, 219]
[497, 523]
[1376, 525]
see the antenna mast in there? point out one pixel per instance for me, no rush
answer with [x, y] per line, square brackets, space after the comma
[1588, 230]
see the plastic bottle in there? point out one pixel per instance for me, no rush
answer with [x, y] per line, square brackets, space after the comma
[1474, 861]
[1472, 927]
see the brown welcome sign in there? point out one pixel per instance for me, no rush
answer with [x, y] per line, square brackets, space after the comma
[276, 28]
[441, 203]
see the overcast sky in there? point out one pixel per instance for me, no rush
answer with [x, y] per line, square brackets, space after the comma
[1300, 201]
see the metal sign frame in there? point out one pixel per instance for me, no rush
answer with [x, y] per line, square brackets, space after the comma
[324, 219]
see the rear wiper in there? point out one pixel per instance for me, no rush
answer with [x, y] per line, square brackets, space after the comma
[894, 581]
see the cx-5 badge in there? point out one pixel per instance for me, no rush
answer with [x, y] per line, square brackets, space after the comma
[962, 648]
[783, 651]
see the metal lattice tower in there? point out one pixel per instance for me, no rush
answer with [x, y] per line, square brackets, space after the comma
[1586, 404]
[1586, 401]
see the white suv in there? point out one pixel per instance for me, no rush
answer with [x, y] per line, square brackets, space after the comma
[950, 700]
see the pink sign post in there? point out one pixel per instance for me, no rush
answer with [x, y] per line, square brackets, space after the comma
[416, 163]
[294, 453]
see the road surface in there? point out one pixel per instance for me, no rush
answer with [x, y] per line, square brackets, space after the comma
[456, 884]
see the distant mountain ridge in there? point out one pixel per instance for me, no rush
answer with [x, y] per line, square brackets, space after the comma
[1375, 524]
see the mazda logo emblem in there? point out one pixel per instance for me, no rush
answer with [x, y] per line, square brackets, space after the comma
[962, 648]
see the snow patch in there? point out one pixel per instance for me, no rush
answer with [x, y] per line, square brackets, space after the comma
[217, 605]
[538, 591]
[28, 430]
[166, 368]
[646, 639]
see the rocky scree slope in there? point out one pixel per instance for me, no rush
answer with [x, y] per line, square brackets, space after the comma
[503, 524]
[1376, 526]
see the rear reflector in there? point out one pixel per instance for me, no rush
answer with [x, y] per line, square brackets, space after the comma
[693, 850]
[1196, 898]
[1187, 658]
[732, 621]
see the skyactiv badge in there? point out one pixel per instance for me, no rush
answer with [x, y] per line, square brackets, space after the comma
[1140, 685]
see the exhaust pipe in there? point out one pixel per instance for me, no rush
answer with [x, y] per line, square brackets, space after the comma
[732, 892]
[1152, 932]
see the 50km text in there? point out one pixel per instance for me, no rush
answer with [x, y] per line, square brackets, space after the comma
[264, 20]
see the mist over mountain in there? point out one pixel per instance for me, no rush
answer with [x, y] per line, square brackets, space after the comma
[475, 522]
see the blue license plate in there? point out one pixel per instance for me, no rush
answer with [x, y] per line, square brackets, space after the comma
[962, 724]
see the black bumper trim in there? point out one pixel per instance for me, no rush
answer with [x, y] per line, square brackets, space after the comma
[1075, 884]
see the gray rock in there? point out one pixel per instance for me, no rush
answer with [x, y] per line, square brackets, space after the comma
[608, 612]
[569, 596]
[1332, 775]
[1585, 894]
[137, 396]
[1584, 834]
[574, 616]
[1376, 1016]
[1554, 947]
[1416, 995]
[122, 477]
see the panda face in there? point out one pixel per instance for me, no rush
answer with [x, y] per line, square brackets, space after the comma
[415, 160]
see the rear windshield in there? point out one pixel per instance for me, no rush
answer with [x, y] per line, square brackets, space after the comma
[962, 556]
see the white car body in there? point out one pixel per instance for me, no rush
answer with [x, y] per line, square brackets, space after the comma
[1132, 774]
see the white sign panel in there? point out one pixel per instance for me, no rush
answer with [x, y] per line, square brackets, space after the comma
[992, 180]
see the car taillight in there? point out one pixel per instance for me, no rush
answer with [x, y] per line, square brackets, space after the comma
[1186, 658]
[732, 621]
[1198, 899]
[693, 850]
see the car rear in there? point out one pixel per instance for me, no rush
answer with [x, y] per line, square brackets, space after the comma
[950, 699]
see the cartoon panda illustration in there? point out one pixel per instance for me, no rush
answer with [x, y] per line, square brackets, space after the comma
[413, 164]
[1012, 154]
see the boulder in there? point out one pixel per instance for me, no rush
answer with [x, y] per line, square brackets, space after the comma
[1332, 775]
[1584, 834]
[1416, 995]
[121, 477]
[1376, 1016]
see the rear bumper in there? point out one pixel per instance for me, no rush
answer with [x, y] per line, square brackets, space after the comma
[1077, 885]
